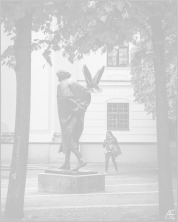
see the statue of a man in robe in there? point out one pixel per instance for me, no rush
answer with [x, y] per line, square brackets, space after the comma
[73, 101]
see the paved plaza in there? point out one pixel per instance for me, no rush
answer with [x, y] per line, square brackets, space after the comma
[131, 195]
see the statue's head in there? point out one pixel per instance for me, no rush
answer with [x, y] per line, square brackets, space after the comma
[61, 74]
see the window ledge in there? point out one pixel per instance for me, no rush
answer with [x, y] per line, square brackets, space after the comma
[119, 130]
[117, 68]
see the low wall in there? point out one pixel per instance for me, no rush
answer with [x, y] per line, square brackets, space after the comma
[37, 153]
[131, 152]
[45, 153]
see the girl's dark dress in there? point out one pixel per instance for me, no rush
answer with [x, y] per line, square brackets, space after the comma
[112, 150]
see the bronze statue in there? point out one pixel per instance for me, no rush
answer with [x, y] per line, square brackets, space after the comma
[73, 101]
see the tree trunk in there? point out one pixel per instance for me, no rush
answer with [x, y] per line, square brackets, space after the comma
[17, 177]
[166, 200]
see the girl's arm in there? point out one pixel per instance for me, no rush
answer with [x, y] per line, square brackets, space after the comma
[104, 143]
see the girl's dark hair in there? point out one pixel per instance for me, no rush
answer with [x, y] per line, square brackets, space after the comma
[110, 133]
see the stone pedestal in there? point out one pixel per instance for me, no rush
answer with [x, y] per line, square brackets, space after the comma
[65, 181]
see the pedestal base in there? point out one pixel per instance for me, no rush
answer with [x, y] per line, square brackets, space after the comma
[60, 181]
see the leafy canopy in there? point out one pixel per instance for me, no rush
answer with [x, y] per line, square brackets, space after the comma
[143, 75]
[79, 27]
[85, 26]
[42, 28]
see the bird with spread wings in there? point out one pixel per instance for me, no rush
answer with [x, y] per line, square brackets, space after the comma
[92, 83]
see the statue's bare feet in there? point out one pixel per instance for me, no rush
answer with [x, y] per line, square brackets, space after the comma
[81, 164]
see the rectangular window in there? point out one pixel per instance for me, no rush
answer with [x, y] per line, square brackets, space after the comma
[118, 116]
[118, 57]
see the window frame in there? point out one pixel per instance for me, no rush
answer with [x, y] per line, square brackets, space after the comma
[117, 58]
[128, 116]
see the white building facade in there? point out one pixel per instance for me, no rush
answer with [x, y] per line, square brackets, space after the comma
[114, 109]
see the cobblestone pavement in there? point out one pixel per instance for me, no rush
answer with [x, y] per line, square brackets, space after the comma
[131, 195]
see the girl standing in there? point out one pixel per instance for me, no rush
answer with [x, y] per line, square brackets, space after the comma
[112, 150]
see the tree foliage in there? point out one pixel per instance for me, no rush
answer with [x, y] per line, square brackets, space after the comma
[89, 26]
[78, 27]
[143, 75]
[42, 26]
